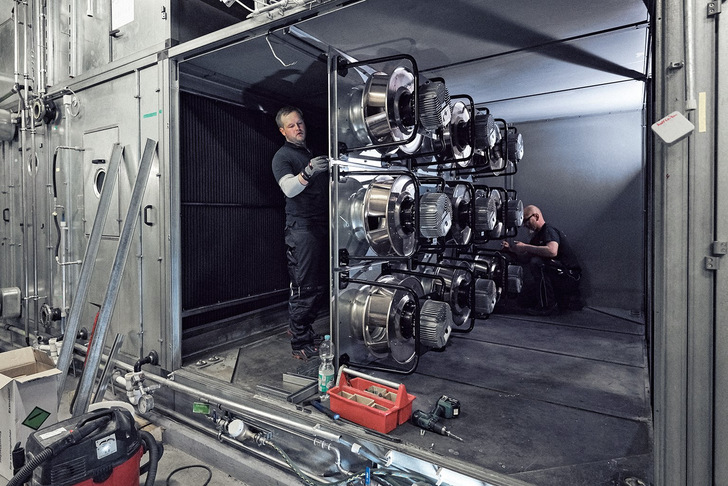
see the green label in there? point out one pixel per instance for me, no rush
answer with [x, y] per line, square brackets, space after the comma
[36, 418]
[199, 407]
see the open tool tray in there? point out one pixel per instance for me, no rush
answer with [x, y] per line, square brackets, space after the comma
[369, 403]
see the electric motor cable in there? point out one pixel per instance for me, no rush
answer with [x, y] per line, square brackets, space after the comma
[209, 472]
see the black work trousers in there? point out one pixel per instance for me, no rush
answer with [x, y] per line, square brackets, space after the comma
[307, 252]
[547, 283]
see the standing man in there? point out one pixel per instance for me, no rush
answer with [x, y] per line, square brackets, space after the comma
[303, 180]
[552, 276]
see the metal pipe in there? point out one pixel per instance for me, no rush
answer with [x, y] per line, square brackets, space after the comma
[223, 438]
[689, 34]
[16, 68]
[315, 430]
[40, 52]
[23, 190]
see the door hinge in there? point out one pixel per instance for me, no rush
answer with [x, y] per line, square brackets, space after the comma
[714, 8]
[712, 263]
[719, 248]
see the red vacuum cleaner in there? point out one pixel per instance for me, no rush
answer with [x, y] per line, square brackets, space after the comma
[100, 448]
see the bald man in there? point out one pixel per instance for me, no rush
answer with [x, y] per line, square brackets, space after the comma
[551, 278]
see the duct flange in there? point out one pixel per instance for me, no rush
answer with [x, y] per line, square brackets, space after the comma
[389, 213]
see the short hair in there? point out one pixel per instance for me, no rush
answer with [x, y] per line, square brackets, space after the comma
[286, 110]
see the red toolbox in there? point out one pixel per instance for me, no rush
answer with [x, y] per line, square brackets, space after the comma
[368, 402]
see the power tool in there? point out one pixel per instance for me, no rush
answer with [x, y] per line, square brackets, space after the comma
[428, 421]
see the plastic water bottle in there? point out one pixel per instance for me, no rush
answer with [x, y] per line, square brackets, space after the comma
[326, 368]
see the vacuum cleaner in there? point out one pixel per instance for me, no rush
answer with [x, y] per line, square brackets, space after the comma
[100, 448]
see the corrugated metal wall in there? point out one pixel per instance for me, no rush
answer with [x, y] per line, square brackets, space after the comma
[232, 210]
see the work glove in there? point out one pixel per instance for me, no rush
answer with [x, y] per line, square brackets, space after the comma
[315, 166]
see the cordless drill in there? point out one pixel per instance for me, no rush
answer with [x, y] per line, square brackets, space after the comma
[445, 407]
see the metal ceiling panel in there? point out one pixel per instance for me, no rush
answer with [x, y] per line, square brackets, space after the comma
[495, 52]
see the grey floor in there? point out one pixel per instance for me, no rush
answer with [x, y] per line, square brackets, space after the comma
[549, 400]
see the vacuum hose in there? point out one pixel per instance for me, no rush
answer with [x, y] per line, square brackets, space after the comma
[154, 455]
[27, 471]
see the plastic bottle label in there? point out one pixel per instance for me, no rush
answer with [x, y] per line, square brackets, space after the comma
[326, 381]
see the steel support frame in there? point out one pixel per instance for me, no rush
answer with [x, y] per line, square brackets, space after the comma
[690, 360]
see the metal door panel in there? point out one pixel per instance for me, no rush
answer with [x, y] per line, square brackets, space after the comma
[151, 264]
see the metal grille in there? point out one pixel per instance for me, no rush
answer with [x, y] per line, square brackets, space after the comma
[232, 217]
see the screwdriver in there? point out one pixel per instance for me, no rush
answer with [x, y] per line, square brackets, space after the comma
[428, 421]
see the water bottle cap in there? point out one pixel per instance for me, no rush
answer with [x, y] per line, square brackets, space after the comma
[327, 338]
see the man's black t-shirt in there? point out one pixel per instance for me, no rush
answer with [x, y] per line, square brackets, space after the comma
[311, 205]
[566, 254]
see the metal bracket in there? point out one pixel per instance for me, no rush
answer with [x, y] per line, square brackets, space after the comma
[712, 263]
[719, 248]
[714, 8]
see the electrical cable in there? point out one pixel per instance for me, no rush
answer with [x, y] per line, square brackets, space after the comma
[382, 473]
[209, 472]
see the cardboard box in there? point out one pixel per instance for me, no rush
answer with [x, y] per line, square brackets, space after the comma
[28, 399]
